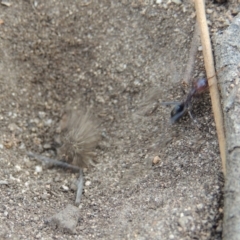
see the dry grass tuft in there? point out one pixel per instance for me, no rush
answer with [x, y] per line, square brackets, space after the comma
[79, 137]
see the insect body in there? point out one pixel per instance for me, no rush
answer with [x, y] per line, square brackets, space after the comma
[178, 111]
[198, 87]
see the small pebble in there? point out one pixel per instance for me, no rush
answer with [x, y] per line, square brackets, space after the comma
[100, 99]
[65, 188]
[177, 2]
[209, 11]
[121, 67]
[18, 168]
[2, 182]
[200, 206]
[38, 169]
[41, 115]
[48, 122]
[156, 160]
[22, 146]
[6, 3]
[45, 196]
[47, 146]
[183, 222]
[87, 183]
[13, 127]
[57, 179]
[38, 235]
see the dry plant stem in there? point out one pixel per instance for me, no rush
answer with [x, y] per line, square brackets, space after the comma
[61, 164]
[79, 187]
[213, 87]
[192, 55]
[53, 162]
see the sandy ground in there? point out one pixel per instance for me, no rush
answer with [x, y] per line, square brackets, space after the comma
[120, 60]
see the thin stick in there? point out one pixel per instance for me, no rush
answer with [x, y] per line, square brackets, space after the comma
[213, 87]
[54, 162]
[79, 187]
[62, 164]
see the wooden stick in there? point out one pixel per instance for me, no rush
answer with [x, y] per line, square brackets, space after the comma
[213, 87]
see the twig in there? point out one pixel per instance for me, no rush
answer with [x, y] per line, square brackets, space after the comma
[54, 162]
[213, 87]
[62, 164]
[79, 187]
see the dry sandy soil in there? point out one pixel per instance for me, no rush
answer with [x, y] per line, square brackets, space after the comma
[120, 59]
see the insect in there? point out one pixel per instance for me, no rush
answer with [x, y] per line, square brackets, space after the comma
[198, 87]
